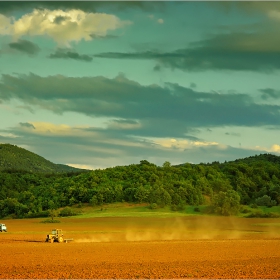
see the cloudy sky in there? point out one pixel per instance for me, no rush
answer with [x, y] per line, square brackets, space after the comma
[101, 84]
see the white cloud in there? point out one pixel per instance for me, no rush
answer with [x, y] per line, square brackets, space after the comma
[5, 25]
[61, 26]
[44, 128]
[183, 144]
[5, 134]
[275, 148]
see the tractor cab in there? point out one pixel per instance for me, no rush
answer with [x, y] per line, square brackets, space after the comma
[57, 232]
[56, 235]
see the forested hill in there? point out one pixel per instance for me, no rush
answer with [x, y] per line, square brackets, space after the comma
[260, 158]
[27, 189]
[16, 158]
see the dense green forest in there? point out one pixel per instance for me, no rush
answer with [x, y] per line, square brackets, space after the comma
[253, 181]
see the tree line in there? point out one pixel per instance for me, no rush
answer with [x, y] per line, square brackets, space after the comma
[224, 186]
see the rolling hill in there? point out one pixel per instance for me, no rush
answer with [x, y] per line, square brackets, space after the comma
[15, 158]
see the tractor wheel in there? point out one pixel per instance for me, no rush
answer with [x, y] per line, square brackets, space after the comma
[60, 239]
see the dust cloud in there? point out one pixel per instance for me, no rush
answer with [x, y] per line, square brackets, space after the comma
[176, 229]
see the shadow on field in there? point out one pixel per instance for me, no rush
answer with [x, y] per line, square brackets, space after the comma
[29, 241]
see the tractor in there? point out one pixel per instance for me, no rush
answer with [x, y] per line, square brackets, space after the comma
[55, 236]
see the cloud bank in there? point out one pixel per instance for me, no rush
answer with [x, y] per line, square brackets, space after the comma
[70, 54]
[101, 148]
[8, 7]
[25, 47]
[141, 109]
[62, 26]
[233, 51]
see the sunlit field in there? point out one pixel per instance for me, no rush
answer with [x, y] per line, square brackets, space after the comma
[130, 245]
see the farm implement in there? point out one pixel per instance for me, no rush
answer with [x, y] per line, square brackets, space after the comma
[57, 236]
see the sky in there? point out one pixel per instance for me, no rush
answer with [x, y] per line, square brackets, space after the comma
[102, 84]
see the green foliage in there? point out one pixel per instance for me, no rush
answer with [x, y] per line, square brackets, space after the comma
[50, 221]
[227, 185]
[260, 214]
[166, 164]
[160, 196]
[265, 201]
[178, 207]
[53, 213]
[94, 201]
[226, 203]
[142, 194]
[67, 211]
[16, 158]
[153, 206]
[254, 205]
[37, 214]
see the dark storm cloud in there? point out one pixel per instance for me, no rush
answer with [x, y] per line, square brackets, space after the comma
[69, 54]
[235, 51]
[25, 46]
[152, 127]
[29, 125]
[171, 110]
[8, 7]
[269, 93]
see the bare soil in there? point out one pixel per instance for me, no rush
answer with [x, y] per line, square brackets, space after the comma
[157, 248]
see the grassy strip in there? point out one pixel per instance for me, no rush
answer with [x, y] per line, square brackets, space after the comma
[133, 210]
[144, 210]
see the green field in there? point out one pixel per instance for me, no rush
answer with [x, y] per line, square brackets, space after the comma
[144, 210]
[131, 210]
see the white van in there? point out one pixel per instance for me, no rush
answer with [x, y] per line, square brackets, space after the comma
[3, 227]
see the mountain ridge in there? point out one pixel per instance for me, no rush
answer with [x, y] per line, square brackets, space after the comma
[13, 157]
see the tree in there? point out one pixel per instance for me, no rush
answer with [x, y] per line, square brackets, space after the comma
[94, 201]
[265, 201]
[166, 164]
[67, 211]
[226, 203]
[160, 196]
[53, 213]
[142, 194]
[274, 192]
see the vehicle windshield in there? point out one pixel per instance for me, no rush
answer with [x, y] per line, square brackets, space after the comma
[54, 231]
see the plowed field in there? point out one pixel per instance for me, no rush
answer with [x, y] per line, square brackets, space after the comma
[190, 247]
